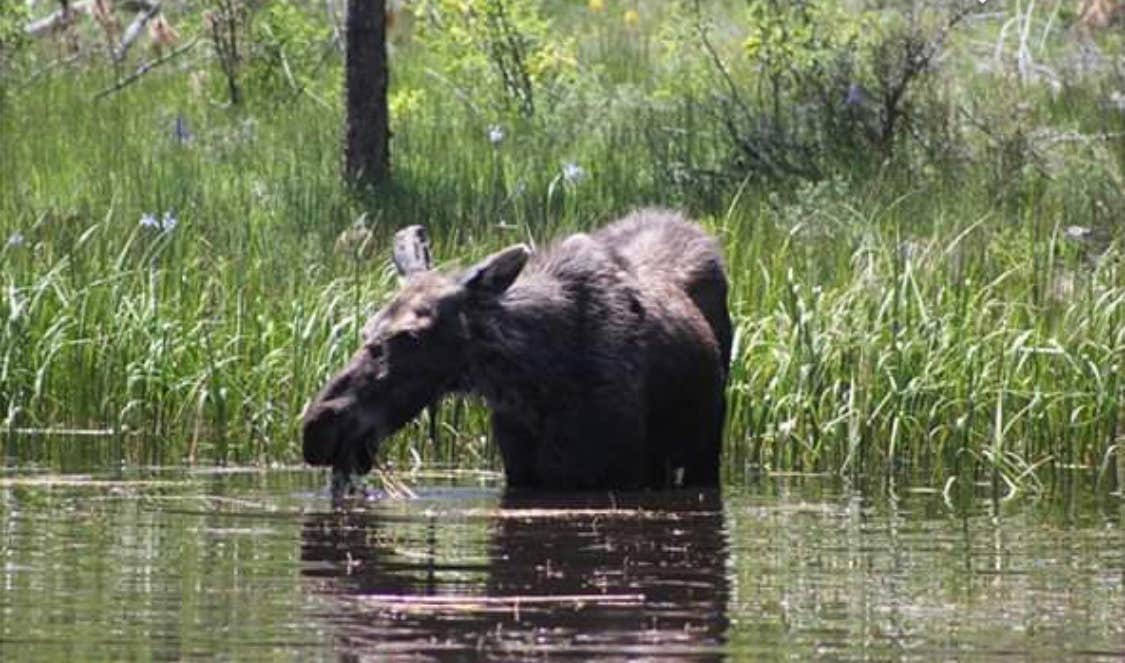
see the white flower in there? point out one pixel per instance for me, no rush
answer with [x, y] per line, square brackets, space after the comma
[15, 240]
[169, 222]
[1078, 232]
[495, 134]
[573, 173]
[149, 221]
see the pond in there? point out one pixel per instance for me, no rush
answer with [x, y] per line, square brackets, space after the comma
[250, 563]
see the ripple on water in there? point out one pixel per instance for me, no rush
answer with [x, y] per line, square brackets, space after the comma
[245, 563]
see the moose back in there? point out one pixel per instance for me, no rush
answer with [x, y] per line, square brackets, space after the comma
[603, 359]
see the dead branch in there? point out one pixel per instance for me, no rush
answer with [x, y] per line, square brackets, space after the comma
[134, 31]
[48, 23]
[144, 69]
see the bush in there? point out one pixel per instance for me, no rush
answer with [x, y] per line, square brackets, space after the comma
[501, 53]
[290, 47]
[826, 88]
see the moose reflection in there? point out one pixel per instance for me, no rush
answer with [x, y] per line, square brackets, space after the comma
[594, 576]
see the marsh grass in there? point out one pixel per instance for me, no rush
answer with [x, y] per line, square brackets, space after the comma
[939, 323]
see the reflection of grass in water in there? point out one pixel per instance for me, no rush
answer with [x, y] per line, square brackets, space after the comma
[939, 324]
[75, 481]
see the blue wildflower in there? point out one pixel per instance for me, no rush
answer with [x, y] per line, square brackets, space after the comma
[495, 134]
[15, 240]
[168, 223]
[181, 132]
[149, 221]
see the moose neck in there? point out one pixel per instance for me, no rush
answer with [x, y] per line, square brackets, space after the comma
[510, 348]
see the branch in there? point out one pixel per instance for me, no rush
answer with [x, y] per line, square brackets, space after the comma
[134, 31]
[144, 69]
[701, 29]
[55, 19]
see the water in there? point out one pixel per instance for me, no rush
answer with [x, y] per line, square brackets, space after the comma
[248, 564]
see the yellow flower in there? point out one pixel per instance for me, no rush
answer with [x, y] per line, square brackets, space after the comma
[406, 102]
[596, 5]
[631, 17]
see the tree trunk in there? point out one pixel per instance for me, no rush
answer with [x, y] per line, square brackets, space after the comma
[366, 148]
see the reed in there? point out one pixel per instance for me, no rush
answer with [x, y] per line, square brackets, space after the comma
[190, 293]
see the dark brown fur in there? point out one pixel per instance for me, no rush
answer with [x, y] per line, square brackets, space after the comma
[603, 359]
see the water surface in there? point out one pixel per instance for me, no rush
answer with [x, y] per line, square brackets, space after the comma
[247, 564]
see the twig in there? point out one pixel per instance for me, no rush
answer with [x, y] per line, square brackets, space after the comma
[144, 69]
[395, 487]
[304, 89]
[732, 88]
[918, 55]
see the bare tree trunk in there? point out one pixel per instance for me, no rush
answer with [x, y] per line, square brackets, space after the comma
[366, 149]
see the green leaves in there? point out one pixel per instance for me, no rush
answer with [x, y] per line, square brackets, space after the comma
[13, 38]
[502, 53]
[290, 43]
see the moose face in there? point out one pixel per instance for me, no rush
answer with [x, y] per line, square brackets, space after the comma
[414, 349]
[411, 352]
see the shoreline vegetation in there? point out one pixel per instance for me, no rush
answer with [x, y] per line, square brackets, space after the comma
[921, 213]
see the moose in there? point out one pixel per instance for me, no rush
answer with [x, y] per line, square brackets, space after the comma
[603, 359]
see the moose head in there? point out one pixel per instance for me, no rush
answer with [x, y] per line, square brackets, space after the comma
[414, 350]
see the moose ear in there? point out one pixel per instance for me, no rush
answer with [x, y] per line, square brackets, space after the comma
[493, 275]
[412, 251]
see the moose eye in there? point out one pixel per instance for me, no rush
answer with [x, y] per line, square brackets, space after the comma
[403, 339]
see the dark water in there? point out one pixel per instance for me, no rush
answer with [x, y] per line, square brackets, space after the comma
[257, 565]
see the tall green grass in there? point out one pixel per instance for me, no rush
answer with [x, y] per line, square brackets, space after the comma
[893, 320]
